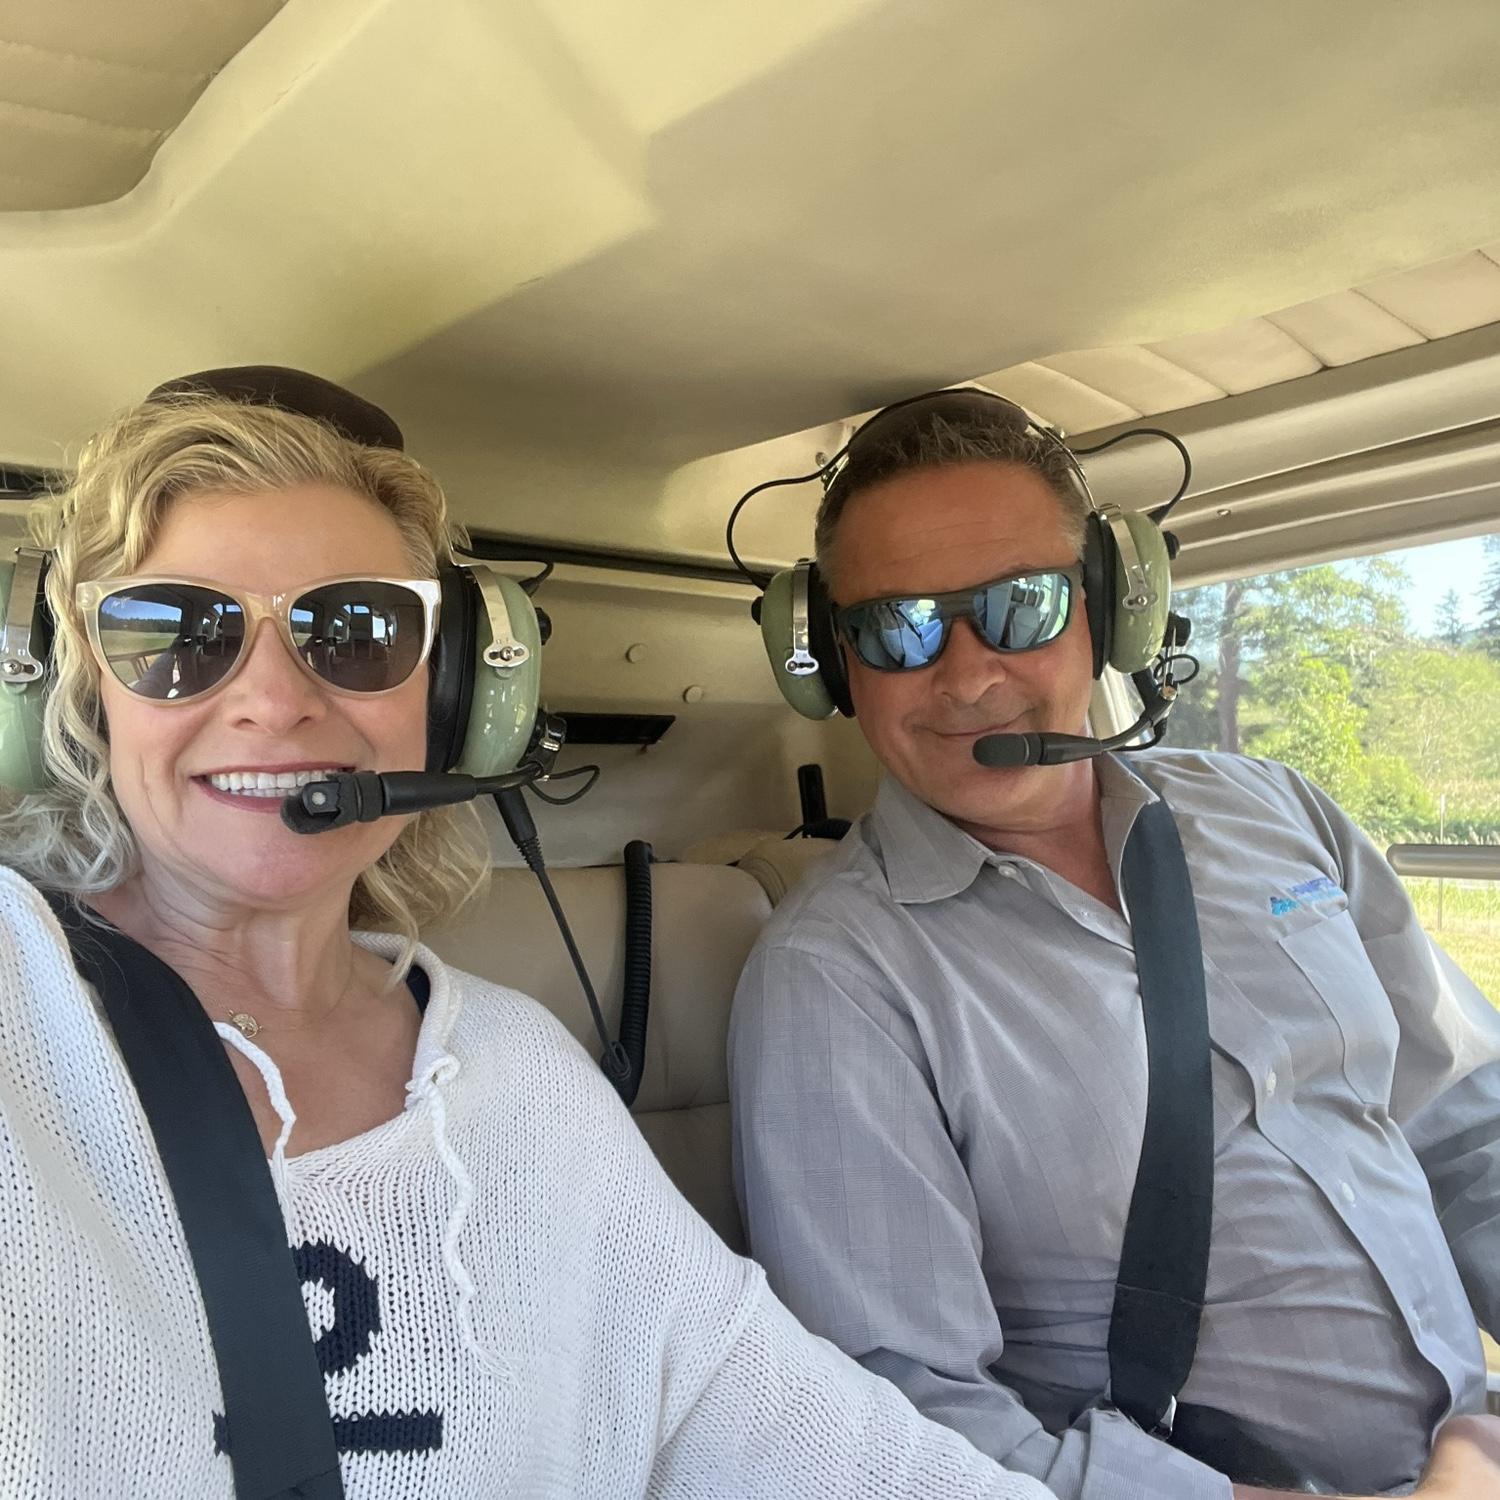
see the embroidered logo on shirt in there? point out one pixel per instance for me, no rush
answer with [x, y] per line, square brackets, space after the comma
[341, 1346]
[1308, 893]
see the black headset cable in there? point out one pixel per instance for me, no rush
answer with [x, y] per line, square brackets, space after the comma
[523, 834]
[1161, 512]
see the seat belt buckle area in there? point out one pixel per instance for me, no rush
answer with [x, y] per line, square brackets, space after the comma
[1161, 1429]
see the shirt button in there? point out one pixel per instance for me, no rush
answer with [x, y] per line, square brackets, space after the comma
[1270, 1083]
[1347, 1193]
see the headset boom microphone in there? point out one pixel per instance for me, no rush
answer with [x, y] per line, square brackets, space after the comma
[1006, 752]
[364, 796]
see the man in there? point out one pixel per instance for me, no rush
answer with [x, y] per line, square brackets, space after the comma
[938, 1060]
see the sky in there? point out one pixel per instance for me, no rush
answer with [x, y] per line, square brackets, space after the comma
[1434, 570]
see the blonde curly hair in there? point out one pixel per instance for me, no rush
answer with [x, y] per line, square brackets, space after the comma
[73, 836]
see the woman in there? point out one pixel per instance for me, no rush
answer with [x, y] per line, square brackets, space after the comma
[509, 1296]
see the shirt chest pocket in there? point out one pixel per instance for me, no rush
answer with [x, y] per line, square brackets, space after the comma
[1332, 959]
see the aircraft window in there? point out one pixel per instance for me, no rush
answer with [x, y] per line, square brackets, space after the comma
[1378, 678]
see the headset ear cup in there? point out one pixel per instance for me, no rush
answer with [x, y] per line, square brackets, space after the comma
[823, 636]
[452, 677]
[1099, 588]
[503, 702]
[807, 692]
[22, 765]
[1136, 634]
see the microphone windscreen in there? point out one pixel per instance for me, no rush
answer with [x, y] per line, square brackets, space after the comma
[321, 805]
[299, 820]
[1004, 752]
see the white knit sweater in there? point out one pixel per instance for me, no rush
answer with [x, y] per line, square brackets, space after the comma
[510, 1297]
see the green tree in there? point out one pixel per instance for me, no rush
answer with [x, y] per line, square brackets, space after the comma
[1488, 634]
[1450, 620]
[1325, 673]
[1439, 711]
[1318, 726]
[1196, 719]
[1322, 732]
[1245, 628]
[1349, 619]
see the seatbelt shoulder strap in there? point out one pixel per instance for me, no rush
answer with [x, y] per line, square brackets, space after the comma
[1159, 1291]
[277, 1427]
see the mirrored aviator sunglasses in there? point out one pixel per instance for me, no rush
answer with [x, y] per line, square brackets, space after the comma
[173, 639]
[1015, 614]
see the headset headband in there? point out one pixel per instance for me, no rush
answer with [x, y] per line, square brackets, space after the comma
[965, 404]
[969, 404]
[1126, 558]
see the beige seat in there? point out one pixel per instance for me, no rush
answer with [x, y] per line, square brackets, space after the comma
[777, 862]
[705, 918]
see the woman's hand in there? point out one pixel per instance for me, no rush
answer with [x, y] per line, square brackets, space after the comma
[1465, 1462]
[1465, 1465]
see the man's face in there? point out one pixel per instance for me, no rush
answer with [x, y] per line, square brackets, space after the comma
[934, 531]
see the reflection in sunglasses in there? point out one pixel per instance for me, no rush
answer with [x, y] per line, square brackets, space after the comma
[1013, 614]
[169, 640]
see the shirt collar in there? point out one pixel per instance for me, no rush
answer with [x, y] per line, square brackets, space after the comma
[928, 857]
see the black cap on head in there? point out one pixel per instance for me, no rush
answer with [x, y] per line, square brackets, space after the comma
[349, 415]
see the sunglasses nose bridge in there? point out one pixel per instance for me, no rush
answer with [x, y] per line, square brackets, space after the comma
[264, 621]
[967, 655]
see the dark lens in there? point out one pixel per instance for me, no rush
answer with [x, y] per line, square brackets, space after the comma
[1018, 614]
[361, 636]
[170, 640]
[895, 635]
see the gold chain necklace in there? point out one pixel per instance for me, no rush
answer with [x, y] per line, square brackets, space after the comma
[250, 1028]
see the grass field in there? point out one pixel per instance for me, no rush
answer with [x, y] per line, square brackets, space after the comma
[1466, 925]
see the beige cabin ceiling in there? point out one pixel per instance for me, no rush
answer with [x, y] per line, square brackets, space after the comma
[1094, 388]
[89, 90]
[580, 248]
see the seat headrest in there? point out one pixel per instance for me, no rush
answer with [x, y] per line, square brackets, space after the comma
[776, 862]
[704, 920]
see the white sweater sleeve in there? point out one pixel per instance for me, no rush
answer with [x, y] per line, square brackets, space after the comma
[786, 1416]
[742, 1402]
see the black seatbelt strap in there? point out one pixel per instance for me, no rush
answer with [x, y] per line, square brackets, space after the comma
[1153, 1330]
[277, 1428]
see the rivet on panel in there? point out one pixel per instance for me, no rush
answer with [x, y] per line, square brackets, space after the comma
[635, 653]
[693, 694]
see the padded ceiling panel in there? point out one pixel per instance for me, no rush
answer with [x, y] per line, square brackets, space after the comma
[1066, 401]
[89, 91]
[1139, 379]
[1446, 298]
[1243, 357]
[1344, 327]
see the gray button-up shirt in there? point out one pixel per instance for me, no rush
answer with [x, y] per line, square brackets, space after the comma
[938, 1069]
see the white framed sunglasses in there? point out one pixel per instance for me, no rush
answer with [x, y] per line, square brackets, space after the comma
[174, 639]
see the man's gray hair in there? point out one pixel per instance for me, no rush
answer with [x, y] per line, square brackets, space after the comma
[938, 441]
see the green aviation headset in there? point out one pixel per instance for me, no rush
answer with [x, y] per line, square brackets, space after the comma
[485, 663]
[1127, 569]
